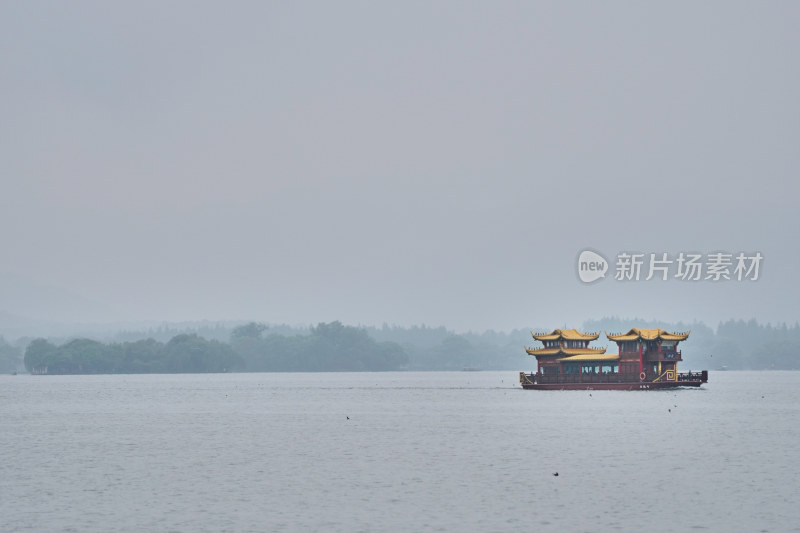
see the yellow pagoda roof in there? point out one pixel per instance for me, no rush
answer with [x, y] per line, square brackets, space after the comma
[568, 334]
[648, 334]
[590, 357]
[565, 351]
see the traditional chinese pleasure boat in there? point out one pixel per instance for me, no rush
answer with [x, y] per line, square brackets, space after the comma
[647, 359]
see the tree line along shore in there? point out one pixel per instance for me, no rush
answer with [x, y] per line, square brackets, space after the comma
[256, 347]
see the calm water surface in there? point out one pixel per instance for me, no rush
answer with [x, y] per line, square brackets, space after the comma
[460, 451]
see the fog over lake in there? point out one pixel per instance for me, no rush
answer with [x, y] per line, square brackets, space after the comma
[403, 163]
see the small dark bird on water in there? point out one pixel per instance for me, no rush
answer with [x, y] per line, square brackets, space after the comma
[555, 473]
[670, 410]
[348, 418]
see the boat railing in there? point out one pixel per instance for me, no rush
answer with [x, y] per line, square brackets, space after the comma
[693, 376]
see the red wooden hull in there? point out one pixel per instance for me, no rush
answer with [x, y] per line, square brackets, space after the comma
[611, 381]
[612, 386]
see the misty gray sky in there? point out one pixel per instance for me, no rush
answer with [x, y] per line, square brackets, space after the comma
[403, 162]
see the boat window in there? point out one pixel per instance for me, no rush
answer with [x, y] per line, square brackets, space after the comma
[630, 346]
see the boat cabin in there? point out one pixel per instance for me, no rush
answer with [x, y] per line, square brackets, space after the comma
[652, 352]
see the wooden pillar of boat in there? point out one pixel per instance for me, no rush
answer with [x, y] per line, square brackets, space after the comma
[641, 361]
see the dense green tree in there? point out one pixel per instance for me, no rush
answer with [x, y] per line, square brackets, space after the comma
[142, 357]
[247, 341]
[253, 330]
[335, 346]
[39, 355]
[327, 347]
[183, 353]
[191, 353]
[10, 358]
[781, 354]
[86, 356]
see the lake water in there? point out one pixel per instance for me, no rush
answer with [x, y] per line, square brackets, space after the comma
[434, 451]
